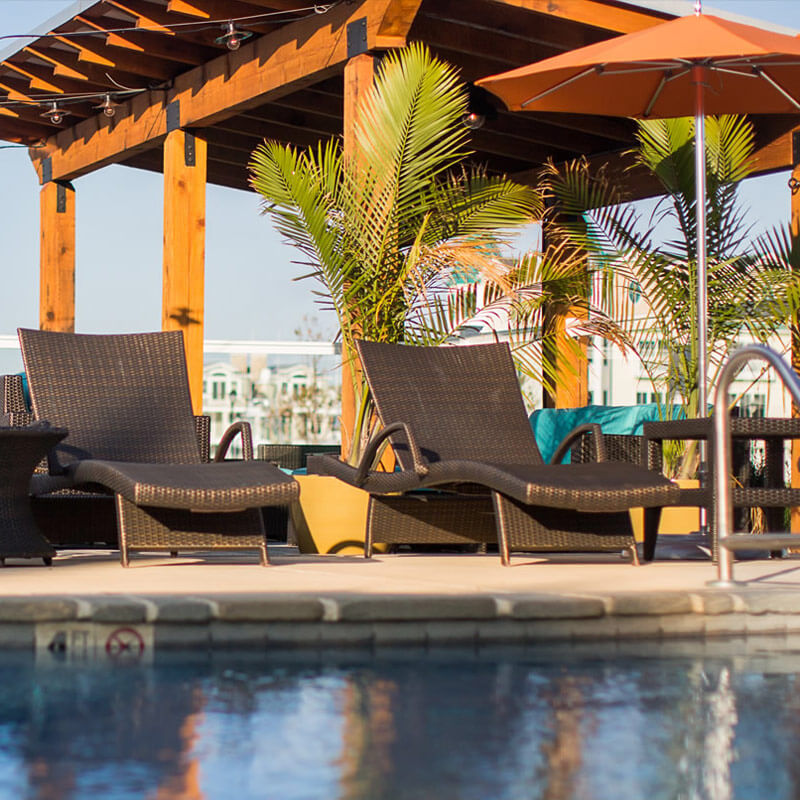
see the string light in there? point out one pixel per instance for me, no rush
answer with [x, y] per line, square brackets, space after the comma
[55, 114]
[233, 37]
[108, 106]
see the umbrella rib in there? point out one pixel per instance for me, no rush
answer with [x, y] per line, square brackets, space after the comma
[737, 72]
[777, 86]
[661, 84]
[561, 84]
[665, 79]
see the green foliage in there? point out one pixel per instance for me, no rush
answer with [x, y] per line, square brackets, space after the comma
[387, 227]
[751, 288]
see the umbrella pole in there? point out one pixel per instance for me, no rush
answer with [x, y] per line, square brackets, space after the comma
[701, 272]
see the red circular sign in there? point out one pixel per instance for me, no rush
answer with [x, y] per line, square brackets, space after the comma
[125, 644]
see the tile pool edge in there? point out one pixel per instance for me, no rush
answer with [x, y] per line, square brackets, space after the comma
[302, 620]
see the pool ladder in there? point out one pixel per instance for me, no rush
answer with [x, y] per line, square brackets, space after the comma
[729, 542]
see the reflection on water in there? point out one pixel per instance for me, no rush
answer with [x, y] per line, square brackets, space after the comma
[552, 723]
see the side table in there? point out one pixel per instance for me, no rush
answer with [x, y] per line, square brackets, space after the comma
[773, 496]
[21, 449]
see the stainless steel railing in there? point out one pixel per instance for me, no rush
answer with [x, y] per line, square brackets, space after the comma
[727, 540]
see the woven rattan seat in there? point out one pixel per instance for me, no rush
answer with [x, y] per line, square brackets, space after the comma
[455, 419]
[125, 401]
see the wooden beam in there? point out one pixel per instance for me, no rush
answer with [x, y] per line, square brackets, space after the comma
[396, 23]
[57, 258]
[296, 55]
[184, 249]
[359, 76]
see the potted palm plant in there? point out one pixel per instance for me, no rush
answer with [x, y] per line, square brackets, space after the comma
[389, 227]
[650, 261]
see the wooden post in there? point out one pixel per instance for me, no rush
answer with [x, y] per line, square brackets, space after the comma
[359, 74]
[565, 372]
[184, 248]
[570, 387]
[57, 257]
[794, 323]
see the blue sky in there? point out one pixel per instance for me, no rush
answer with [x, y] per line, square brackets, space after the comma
[250, 293]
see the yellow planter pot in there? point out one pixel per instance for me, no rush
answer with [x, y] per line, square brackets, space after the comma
[674, 519]
[330, 516]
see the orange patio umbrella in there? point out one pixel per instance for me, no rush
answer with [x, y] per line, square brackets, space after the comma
[692, 65]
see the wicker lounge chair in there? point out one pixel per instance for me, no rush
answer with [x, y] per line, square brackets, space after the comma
[125, 401]
[454, 417]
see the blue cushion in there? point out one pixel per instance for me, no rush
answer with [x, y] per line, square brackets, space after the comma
[25, 390]
[551, 425]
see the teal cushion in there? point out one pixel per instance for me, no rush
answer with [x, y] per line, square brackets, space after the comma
[551, 425]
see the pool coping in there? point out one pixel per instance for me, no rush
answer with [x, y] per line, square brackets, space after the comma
[214, 621]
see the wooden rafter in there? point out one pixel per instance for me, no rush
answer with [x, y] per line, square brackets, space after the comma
[37, 77]
[90, 51]
[606, 16]
[146, 15]
[67, 62]
[216, 9]
[168, 47]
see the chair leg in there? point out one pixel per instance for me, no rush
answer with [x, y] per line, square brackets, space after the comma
[502, 532]
[652, 518]
[121, 531]
[264, 555]
[368, 532]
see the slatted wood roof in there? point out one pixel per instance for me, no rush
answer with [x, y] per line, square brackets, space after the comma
[159, 57]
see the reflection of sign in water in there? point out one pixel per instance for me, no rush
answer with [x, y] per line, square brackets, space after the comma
[634, 291]
[125, 644]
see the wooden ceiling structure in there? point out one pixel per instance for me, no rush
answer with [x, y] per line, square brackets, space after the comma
[158, 85]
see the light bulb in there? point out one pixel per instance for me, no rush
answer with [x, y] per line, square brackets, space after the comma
[54, 114]
[473, 120]
[233, 42]
[109, 111]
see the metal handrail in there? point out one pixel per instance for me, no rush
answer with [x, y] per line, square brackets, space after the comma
[727, 540]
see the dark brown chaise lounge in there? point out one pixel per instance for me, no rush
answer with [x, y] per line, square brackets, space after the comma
[455, 417]
[125, 402]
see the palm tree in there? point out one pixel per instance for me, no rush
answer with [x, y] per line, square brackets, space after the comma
[389, 226]
[653, 259]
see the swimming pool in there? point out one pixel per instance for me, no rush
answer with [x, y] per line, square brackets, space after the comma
[591, 722]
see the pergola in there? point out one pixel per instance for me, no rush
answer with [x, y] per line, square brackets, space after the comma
[189, 88]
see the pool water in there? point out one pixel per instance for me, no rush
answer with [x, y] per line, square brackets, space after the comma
[589, 723]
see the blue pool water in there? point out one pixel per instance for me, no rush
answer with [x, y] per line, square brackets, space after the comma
[549, 722]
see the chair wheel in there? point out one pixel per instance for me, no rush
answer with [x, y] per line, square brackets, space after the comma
[48, 561]
[173, 553]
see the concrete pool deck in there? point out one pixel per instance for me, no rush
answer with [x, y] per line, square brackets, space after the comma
[395, 600]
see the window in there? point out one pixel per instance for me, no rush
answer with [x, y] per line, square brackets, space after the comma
[641, 398]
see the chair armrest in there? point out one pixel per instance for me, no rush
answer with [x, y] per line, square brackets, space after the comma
[13, 394]
[243, 428]
[574, 435]
[375, 443]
